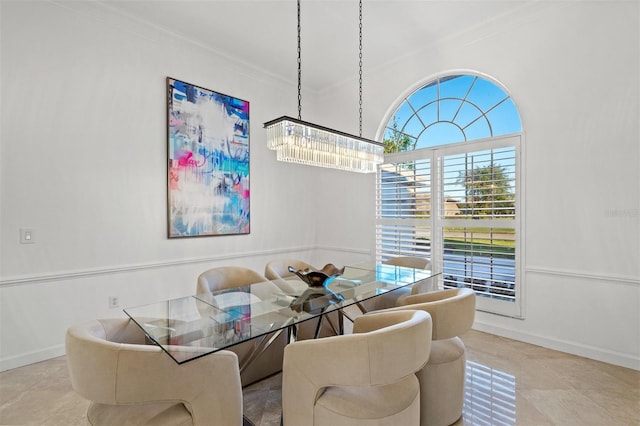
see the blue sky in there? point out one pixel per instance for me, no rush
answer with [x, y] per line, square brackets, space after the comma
[451, 110]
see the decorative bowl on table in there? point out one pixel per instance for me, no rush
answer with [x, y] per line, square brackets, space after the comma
[320, 278]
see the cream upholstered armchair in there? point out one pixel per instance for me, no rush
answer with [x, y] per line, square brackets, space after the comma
[130, 383]
[266, 362]
[442, 379]
[224, 277]
[391, 299]
[416, 263]
[364, 378]
[278, 271]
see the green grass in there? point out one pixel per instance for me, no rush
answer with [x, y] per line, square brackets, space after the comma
[503, 249]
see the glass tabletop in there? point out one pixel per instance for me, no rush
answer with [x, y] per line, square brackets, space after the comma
[193, 326]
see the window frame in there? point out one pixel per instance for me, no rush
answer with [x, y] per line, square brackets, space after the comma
[437, 220]
[487, 304]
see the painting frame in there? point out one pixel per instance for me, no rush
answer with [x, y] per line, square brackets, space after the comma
[208, 162]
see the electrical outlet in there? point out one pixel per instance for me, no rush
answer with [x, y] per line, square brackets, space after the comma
[114, 302]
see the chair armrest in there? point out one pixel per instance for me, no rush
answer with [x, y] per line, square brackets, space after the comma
[291, 286]
[209, 387]
[452, 311]
[424, 286]
[378, 319]
[431, 296]
[315, 360]
[310, 365]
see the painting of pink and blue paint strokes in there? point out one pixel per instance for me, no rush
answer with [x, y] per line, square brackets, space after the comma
[208, 153]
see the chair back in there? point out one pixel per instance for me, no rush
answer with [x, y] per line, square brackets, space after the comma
[224, 277]
[92, 356]
[367, 377]
[409, 262]
[110, 365]
[279, 268]
[384, 347]
[452, 310]
[235, 281]
[396, 343]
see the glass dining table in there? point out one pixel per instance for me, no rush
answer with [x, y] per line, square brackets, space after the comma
[190, 327]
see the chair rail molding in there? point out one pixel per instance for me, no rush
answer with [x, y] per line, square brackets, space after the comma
[609, 278]
[82, 273]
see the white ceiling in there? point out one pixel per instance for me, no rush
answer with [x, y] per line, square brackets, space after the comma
[263, 33]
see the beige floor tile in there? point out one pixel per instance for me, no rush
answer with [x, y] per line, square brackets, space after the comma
[508, 383]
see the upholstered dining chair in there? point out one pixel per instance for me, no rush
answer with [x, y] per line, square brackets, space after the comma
[130, 383]
[277, 270]
[442, 379]
[364, 378]
[391, 299]
[268, 361]
[226, 277]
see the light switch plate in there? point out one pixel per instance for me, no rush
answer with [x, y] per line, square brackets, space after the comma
[27, 236]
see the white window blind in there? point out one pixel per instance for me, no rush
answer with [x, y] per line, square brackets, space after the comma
[456, 205]
[479, 240]
[404, 209]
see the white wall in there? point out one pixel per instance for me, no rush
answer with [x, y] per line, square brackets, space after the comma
[573, 70]
[82, 156]
[83, 163]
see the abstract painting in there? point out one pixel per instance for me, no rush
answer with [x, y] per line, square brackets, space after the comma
[208, 162]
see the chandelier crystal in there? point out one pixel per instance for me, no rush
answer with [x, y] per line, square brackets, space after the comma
[297, 141]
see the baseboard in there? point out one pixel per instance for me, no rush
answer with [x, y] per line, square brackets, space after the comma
[31, 357]
[574, 348]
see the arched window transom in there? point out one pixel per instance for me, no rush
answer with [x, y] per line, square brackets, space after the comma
[455, 108]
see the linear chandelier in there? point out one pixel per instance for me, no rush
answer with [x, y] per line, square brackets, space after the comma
[298, 141]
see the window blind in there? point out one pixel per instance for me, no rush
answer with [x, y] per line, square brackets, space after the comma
[456, 205]
[404, 209]
[479, 239]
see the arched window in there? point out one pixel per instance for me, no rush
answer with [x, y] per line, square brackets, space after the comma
[450, 187]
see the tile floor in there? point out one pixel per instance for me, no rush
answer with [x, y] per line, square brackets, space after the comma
[508, 383]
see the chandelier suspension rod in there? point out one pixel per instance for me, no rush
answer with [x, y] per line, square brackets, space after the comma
[360, 67]
[299, 68]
